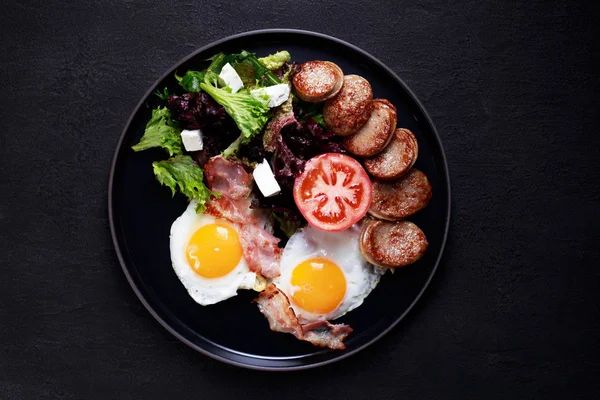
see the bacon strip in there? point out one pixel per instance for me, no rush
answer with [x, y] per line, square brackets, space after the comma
[228, 178]
[261, 250]
[275, 306]
[232, 210]
[327, 335]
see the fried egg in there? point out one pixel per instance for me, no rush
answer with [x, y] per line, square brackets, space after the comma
[208, 258]
[324, 273]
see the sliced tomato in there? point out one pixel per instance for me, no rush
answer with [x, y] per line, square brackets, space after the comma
[333, 192]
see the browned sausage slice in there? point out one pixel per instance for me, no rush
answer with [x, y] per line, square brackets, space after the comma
[395, 200]
[392, 244]
[386, 103]
[396, 159]
[347, 112]
[318, 81]
[375, 134]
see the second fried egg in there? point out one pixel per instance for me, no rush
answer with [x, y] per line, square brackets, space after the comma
[324, 273]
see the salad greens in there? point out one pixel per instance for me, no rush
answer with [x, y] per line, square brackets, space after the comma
[283, 116]
[190, 82]
[164, 95]
[312, 110]
[287, 223]
[277, 60]
[249, 112]
[161, 131]
[252, 72]
[183, 173]
[239, 125]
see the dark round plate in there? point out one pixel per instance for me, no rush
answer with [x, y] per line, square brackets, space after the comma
[141, 212]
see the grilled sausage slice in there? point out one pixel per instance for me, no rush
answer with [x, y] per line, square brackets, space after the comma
[396, 200]
[392, 244]
[396, 159]
[386, 103]
[318, 81]
[375, 135]
[348, 111]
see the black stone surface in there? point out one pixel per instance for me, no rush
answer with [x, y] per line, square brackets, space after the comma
[513, 88]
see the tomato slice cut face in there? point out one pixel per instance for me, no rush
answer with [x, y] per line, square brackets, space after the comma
[334, 192]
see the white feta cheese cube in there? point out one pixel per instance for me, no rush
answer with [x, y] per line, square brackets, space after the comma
[278, 94]
[265, 180]
[192, 140]
[231, 78]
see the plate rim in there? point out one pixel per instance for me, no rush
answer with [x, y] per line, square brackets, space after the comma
[151, 310]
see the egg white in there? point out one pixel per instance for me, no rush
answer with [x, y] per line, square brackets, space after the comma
[204, 291]
[342, 248]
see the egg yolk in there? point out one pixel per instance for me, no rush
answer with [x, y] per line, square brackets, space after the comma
[214, 250]
[319, 285]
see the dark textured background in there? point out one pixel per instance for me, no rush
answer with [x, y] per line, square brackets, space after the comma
[513, 312]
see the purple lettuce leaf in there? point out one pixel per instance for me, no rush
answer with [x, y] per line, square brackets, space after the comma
[200, 111]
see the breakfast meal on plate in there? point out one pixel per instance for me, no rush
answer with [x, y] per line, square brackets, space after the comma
[299, 186]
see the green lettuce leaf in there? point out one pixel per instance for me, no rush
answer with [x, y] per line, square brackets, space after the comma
[249, 113]
[184, 174]
[233, 148]
[252, 72]
[275, 61]
[288, 225]
[319, 119]
[314, 110]
[164, 95]
[191, 81]
[161, 131]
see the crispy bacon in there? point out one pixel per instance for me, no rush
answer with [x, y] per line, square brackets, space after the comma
[232, 210]
[260, 248]
[275, 306]
[325, 334]
[228, 178]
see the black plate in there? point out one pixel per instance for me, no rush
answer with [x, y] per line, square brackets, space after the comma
[234, 331]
